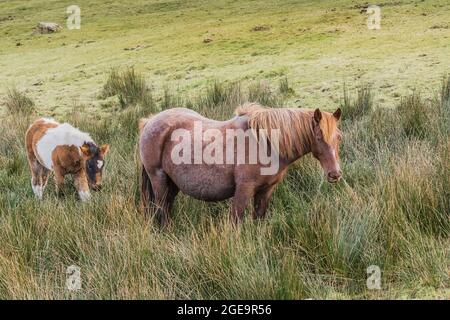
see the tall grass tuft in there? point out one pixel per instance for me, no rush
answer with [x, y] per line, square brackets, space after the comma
[219, 99]
[18, 102]
[414, 114]
[284, 88]
[445, 92]
[362, 105]
[129, 86]
[262, 93]
[170, 100]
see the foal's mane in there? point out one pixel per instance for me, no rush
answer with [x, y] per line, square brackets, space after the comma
[295, 125]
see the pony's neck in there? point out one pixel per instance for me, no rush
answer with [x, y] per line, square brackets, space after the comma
[305, 139]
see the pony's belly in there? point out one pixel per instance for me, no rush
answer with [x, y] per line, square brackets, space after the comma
[212, 183]
[216, 194]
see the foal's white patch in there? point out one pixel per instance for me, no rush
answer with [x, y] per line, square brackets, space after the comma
[84, 195]
[99, 164]
[63, 134]
[38, 191]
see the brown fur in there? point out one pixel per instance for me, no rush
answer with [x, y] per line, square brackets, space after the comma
[66, 160]
[302, 131]
[294, 124]
[142, 123]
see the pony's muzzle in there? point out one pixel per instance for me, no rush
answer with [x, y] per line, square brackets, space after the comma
[334, 176]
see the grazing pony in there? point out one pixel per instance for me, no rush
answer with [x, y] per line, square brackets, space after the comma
[64, 150]
[300, 131]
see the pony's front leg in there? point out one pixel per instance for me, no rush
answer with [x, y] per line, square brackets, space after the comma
[242, 196]
[261, 201]
[82, 185]
[59, 179]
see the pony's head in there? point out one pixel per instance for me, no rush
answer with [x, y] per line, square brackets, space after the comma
[94, 158]
[326, 140]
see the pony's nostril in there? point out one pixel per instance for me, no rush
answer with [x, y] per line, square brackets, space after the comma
[334, 175]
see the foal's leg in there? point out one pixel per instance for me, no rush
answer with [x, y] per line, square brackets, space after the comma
[261, 201]
[82, 185]
[36, 170]
[242, 196]
[39, 177]
[59, 179]
[165, 191]
[45, 173]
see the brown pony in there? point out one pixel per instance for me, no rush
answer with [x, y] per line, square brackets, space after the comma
[63, 149]
[300, 131]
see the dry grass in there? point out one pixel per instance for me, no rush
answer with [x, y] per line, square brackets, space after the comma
[392, 210]
[18, 102]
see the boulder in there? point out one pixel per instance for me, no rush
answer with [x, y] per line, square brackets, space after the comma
[47, 27]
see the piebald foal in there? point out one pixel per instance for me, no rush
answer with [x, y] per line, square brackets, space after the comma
[63, 149]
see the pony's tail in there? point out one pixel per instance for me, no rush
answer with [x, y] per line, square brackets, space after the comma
[147, 195]
[142, 123]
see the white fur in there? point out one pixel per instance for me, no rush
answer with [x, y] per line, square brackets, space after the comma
[84, 195]
[63, 134]
[99, 164]
[38, 191]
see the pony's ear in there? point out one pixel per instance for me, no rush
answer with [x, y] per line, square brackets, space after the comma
[85, 150]
[317, 115]
[316, 127]
[104, 149]
[337, 113]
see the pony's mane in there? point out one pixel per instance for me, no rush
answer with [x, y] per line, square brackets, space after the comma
[295, 125]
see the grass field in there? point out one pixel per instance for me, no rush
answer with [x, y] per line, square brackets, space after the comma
[317, 44]
[391, 210]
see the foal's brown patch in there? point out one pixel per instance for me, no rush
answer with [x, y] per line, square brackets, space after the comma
[35, 133]
[68, 158]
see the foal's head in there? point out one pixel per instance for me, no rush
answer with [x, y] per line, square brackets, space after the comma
[326, 141]
[94, 158]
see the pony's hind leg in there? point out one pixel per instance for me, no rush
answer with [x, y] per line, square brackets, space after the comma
[261, 201]
[39, 178]
[165, 192]
[147, 195]
[242, 196]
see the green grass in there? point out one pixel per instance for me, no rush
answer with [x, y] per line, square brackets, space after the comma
[392, 210]
[317, 44]
[134, 58]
